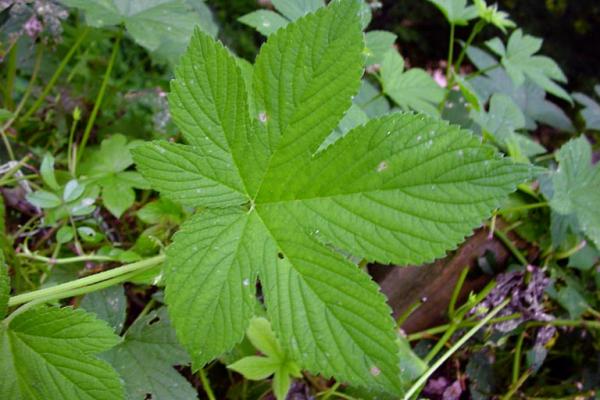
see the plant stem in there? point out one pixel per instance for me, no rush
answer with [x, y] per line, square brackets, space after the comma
[510, 246]
[465, 324]
[476, 29]
[568, 253]
[99, 97]
[122, 271]
[524, 207]
[517, 359]
[66, 260]
[56, 75]
[450, 66]
[11, 73]
[421, 381]
[206, 384]
[513, 389]
[482, 71]
[404, 316]
[456, 292]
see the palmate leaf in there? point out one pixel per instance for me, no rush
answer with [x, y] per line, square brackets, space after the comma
[576, 187]
[49, 353]
[403, 188]
[161, 26]
[520, 60]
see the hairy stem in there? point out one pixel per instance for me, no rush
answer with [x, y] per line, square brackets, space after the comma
[60, 290]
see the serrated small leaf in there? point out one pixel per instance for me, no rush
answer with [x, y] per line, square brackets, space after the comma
[414, 89]
[161, 26]
[146, 357]
[456, 11]
[519, 59]
[262, 337]
[255, 367]
[49, 353]
[576, 186]
[264, 21]
[377, 44]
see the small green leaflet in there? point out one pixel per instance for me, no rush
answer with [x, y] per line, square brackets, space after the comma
[145, 360]
[268, 22]
[4, 285]
[414, 89]
[161, 26]
[377, 44]
[400, 189]
[49, 353]
[591, 112]
[520, 61]
[576, 187]
[107, 166]
[456, 11]
[275, 361]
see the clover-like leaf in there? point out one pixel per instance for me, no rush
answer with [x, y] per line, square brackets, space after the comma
[107, 166]
[576, 187]
[49, 353]
[400, 189]
[161, 26]
[520, 60]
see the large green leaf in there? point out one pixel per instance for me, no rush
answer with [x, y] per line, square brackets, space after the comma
[576, 187]
[591, 111]
[404, 189]
[49, 353]
[145, 360]
[414, 89]
[520, 61]
[109, 305]
[161, 26]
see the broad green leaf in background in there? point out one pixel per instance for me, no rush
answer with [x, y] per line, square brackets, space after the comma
[377, 44]
[530, 98]
[591, 111]
[161, 211]
[49, 353]
[4, 285]
[264, 21]
[107, 166]
[163, 27]
[145, 360]
[275, 362]
[576, 187]
[401, 189]
[520, 61]
[413, 89]
[109, 305]
[456, 11]
[502, 121]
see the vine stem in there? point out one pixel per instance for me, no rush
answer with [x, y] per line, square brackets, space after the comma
[476, 29]
[56, 75]
[421, 381]
[450, 66]
[66, 260]
[99, 97]
[66, 289]
[206, 384]
[465, 324]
